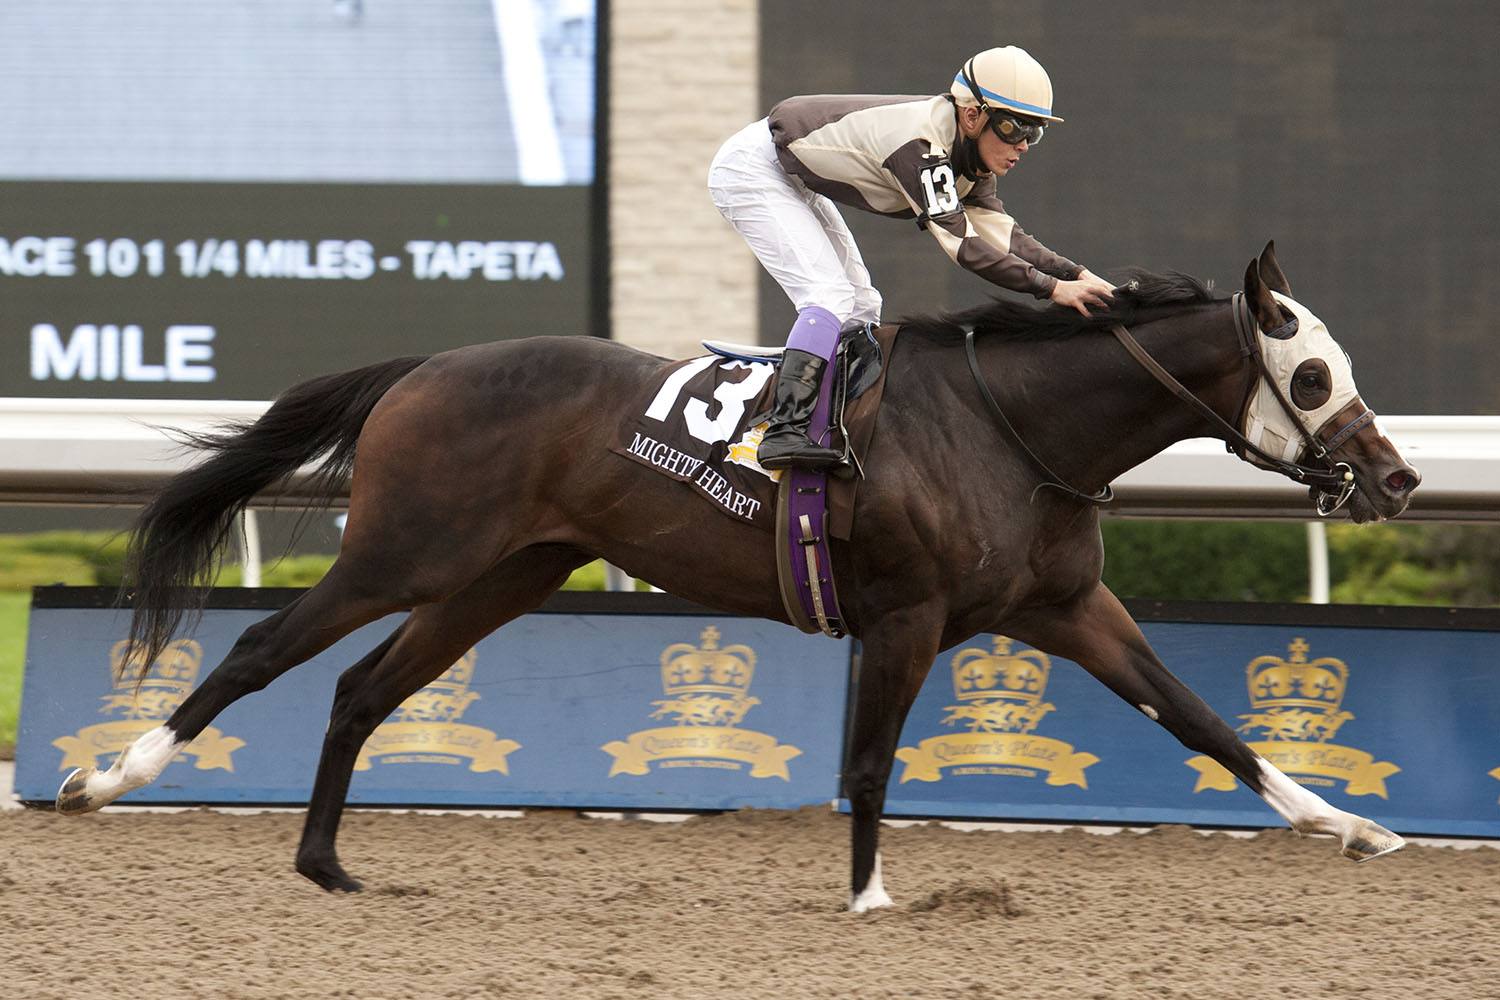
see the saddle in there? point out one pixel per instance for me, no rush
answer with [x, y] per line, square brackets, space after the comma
[814, 506]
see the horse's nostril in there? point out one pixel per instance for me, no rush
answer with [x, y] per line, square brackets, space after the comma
[1401, 481]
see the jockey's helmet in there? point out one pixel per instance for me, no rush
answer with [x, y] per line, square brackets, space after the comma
[1005, 77]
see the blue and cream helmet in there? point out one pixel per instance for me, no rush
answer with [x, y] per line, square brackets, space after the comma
[1008, 78]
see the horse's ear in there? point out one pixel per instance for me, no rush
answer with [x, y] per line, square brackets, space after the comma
[1274, 320]
[1271, 273]
[1262, 303]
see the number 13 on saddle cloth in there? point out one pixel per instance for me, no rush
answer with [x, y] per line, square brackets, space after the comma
[701, 423]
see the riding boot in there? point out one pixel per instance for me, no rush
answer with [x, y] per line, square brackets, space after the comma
[786, 443]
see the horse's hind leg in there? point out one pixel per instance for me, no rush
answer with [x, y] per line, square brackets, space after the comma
[895, 657]
[1099, 634]
[263, 652]
[427, 644]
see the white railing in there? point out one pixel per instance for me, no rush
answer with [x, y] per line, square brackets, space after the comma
[93, 451]
[1457, 457]
[100, 451]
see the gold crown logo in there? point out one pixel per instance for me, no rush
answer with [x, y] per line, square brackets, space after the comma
[1296, 683]
[1017, 677]
[445, 699]
[707, 669]
[1000, 691]
[170, 679]
[1295, 699]
[706, 685]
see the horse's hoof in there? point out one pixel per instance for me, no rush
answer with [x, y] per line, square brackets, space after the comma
[328, 874]
[867, 901]
[1369, 841]
[873, 896]
[73, 797]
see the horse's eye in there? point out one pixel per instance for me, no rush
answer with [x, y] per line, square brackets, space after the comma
[1311, 384]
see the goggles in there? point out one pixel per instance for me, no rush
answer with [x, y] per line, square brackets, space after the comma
[1013, 130]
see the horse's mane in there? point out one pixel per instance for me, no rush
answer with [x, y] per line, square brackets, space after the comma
[1153, 294]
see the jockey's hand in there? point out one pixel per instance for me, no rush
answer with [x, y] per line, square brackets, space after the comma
[1084, 293]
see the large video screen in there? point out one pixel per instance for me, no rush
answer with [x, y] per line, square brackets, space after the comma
[208, 200]
[1194, 133]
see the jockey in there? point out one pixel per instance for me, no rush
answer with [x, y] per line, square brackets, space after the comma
[934, 159]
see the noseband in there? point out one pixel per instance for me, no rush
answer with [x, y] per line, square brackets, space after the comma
[1334, 480]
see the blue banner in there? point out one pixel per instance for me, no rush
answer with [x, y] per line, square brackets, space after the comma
[642, 702]
[1400, 725]
[667, 711]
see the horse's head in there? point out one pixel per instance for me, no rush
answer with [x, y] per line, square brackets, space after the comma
[1307, 409]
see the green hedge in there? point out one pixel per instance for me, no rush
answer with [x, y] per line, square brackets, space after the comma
[1428, 564]
[1206, 560]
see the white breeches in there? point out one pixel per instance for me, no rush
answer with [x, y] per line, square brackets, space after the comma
[798, 236]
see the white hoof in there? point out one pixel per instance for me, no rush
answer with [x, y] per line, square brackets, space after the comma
[874, 895]
[1308, 814]
[869, 900]
[1368, 841]
[73, 797]
[87, 788]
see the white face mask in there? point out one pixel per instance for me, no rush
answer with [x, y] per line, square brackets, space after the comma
[1267, 424]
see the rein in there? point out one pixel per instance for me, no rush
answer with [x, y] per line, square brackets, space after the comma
[1334, 482]
[1334, 479]
[1055, 481]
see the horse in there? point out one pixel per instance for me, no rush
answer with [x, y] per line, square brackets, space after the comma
[481, 479]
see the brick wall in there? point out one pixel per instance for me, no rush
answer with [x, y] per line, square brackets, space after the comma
[683, 79]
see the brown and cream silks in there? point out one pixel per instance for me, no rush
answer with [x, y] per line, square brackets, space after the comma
[887, 155]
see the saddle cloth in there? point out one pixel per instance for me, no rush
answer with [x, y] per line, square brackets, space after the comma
[702, 419]
[701, 423]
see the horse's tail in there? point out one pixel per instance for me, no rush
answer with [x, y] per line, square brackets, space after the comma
[175, 544]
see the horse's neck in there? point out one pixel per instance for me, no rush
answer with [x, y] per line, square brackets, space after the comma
[1094, 413]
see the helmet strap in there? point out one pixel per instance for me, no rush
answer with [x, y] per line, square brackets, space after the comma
[965, 156]
[973, 84]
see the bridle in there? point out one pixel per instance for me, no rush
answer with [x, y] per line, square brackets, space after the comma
[1333, 480]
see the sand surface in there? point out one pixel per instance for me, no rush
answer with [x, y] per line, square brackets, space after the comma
[200, 904]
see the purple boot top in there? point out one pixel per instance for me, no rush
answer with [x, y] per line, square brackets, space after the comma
[816, 332]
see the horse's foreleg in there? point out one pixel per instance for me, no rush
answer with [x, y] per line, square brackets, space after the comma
[894, 659]
[426, 645]
[266, 650]
[1099, 634]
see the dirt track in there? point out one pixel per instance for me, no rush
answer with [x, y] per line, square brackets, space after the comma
[745, 905]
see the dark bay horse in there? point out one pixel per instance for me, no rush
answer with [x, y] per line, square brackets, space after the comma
[482, 478]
